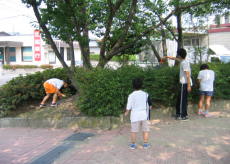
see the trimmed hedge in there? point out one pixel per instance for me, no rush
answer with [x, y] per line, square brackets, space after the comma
[25, 88]
[104, 92]
[44, 66]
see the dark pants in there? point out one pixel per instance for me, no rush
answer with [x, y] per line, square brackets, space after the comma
[182, 101]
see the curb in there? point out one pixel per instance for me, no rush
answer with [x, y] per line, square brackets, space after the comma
[99, 122]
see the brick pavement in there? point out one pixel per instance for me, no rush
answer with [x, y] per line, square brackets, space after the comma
[21, 145]
[197, 141]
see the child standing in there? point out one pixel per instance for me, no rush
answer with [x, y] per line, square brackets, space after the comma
[206, 79]
[139, 104]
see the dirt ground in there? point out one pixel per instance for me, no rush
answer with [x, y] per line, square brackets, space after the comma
[66, 107]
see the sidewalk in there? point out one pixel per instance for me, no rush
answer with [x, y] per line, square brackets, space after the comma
[7, 75]
[197, 141]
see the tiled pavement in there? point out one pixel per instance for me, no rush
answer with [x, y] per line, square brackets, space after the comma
[197, 141]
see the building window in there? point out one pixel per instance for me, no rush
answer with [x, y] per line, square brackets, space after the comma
[187, 42]
[195, 42]
[1, 54]
[226, 18]
[62, 52]
[12, 54]
[68, 54]
[27, 54]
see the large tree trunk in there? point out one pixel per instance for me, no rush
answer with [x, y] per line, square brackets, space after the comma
[102, 61]
[179, 30]
[72, 55]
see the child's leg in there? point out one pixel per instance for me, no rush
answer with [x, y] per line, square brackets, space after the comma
[133, 137]
[45, 98]
[200, 104]
[55, 96]
[146, 137]
[207, 102]
[134, 130]
[145, 129]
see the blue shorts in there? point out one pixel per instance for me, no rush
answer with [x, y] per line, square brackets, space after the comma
[206, 93]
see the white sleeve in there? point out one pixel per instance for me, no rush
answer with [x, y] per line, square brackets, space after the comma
[199, 75]
[185, 66]
[129, 103]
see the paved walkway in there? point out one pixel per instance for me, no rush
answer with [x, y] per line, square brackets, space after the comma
[197, 141]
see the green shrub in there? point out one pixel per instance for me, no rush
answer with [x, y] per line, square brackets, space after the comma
[121, 58]
[104, 92]
[8, 66]
[46, 66]
[25, 88]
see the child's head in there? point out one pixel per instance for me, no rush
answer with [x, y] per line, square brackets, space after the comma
[204, 66]
[67, 83]
[182, 53]
[137, 83]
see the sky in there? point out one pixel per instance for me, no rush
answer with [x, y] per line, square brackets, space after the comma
[16, 17]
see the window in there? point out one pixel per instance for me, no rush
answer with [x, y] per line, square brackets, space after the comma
[62, 52]
[27, 54]
[187, 42]
[195, 42]
[1, 54]
[226, 18]
[12, 54]
[68, 54]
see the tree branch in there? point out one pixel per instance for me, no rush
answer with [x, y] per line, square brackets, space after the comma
[152, 28]
[48, 35]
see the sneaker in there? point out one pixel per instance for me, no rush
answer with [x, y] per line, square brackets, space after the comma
[132, 146]
[178, 118]
[42, 105]
[200, 112]
[207, 115]
[54, 105]
[146, 145]
[184, 118]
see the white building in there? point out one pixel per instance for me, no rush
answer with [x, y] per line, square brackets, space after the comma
[32, 50]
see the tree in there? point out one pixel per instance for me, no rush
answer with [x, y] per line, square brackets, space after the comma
[122, 24]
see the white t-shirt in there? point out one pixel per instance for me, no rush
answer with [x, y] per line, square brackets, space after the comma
[56, 82]
[137, 103]
[206, 78]
[185, 66]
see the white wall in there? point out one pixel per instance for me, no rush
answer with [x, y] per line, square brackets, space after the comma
[222, 38]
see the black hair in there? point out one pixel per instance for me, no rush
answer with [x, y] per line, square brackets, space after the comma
[204, 66]
[182, 53]
[68, 81]
[137, 83]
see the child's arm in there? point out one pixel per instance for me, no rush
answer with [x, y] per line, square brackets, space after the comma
[60, 94]
[173, 58]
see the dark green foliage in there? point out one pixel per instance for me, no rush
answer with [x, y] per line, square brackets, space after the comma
[26, 88]
[104, 92]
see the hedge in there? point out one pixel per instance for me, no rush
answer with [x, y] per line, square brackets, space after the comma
[104, 92]
[25, 88]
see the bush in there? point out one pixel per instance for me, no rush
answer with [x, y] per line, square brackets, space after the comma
[19, 66]
[46, 66]
[104, 92]
[26, 88]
